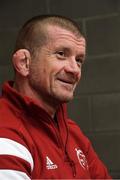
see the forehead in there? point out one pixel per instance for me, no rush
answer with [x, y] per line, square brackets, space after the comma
[62, 37]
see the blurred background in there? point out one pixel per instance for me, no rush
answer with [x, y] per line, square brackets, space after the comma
[96, 107]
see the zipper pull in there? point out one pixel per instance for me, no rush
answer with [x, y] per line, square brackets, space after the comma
[72, 164]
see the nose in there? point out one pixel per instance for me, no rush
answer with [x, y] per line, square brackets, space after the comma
[72, 67]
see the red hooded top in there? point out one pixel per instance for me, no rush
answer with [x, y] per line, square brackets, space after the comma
[32, 146]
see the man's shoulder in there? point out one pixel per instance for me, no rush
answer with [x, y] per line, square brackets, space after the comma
[3, 103]
[77, 132]
[6, 112]
[10, 120]
[12, 126]
[73, 126]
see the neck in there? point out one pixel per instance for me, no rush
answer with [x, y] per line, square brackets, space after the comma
[48, 106]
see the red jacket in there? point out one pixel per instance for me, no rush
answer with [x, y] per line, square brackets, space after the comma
[33, 147]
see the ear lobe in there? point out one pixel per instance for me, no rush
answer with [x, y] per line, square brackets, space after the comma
[21, 60]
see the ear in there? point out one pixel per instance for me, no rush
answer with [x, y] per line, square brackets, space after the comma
[21, 61]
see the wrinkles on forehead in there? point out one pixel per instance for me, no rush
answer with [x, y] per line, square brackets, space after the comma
[56, 32]
[60, 37]
[69, 37]
[56, 29]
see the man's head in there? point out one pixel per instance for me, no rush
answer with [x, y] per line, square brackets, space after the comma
[33, 34]
[48, 56]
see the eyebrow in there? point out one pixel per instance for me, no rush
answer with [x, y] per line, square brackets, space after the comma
[69, 49]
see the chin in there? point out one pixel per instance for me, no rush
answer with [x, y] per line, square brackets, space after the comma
[65, 99]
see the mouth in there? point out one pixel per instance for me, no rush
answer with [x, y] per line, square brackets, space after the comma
[68, 84]
[67, 81]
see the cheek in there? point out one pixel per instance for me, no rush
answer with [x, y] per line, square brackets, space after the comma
[44, 70]
[79, 76]
[46, 76]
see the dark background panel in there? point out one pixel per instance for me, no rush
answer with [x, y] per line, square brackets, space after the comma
[96, 107]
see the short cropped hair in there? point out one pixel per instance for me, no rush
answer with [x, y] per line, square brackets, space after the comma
[33, 34]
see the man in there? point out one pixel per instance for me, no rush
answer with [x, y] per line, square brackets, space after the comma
[37, 140]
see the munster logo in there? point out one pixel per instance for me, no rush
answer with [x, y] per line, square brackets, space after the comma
[81, 158]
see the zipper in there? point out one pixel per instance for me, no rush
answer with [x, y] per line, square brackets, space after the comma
[72, 164]
[64, 147]
[60, 143]
[59, 139]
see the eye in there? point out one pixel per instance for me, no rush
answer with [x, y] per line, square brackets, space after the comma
[79, 61]
[60, 54]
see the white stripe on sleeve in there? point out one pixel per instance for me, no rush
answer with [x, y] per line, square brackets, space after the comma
[10, 147]
[13, 175]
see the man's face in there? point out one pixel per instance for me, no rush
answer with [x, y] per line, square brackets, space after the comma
[56, 69]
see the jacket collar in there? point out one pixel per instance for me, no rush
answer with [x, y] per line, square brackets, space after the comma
[24, 104]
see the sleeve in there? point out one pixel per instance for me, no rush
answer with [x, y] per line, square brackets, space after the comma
[96, 166]
[16, 161]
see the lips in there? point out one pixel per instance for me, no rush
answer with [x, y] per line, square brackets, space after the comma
[67, 81]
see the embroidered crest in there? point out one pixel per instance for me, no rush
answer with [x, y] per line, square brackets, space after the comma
[82, 159]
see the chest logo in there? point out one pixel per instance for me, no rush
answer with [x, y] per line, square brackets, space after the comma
[81, 158]
[50, 164]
